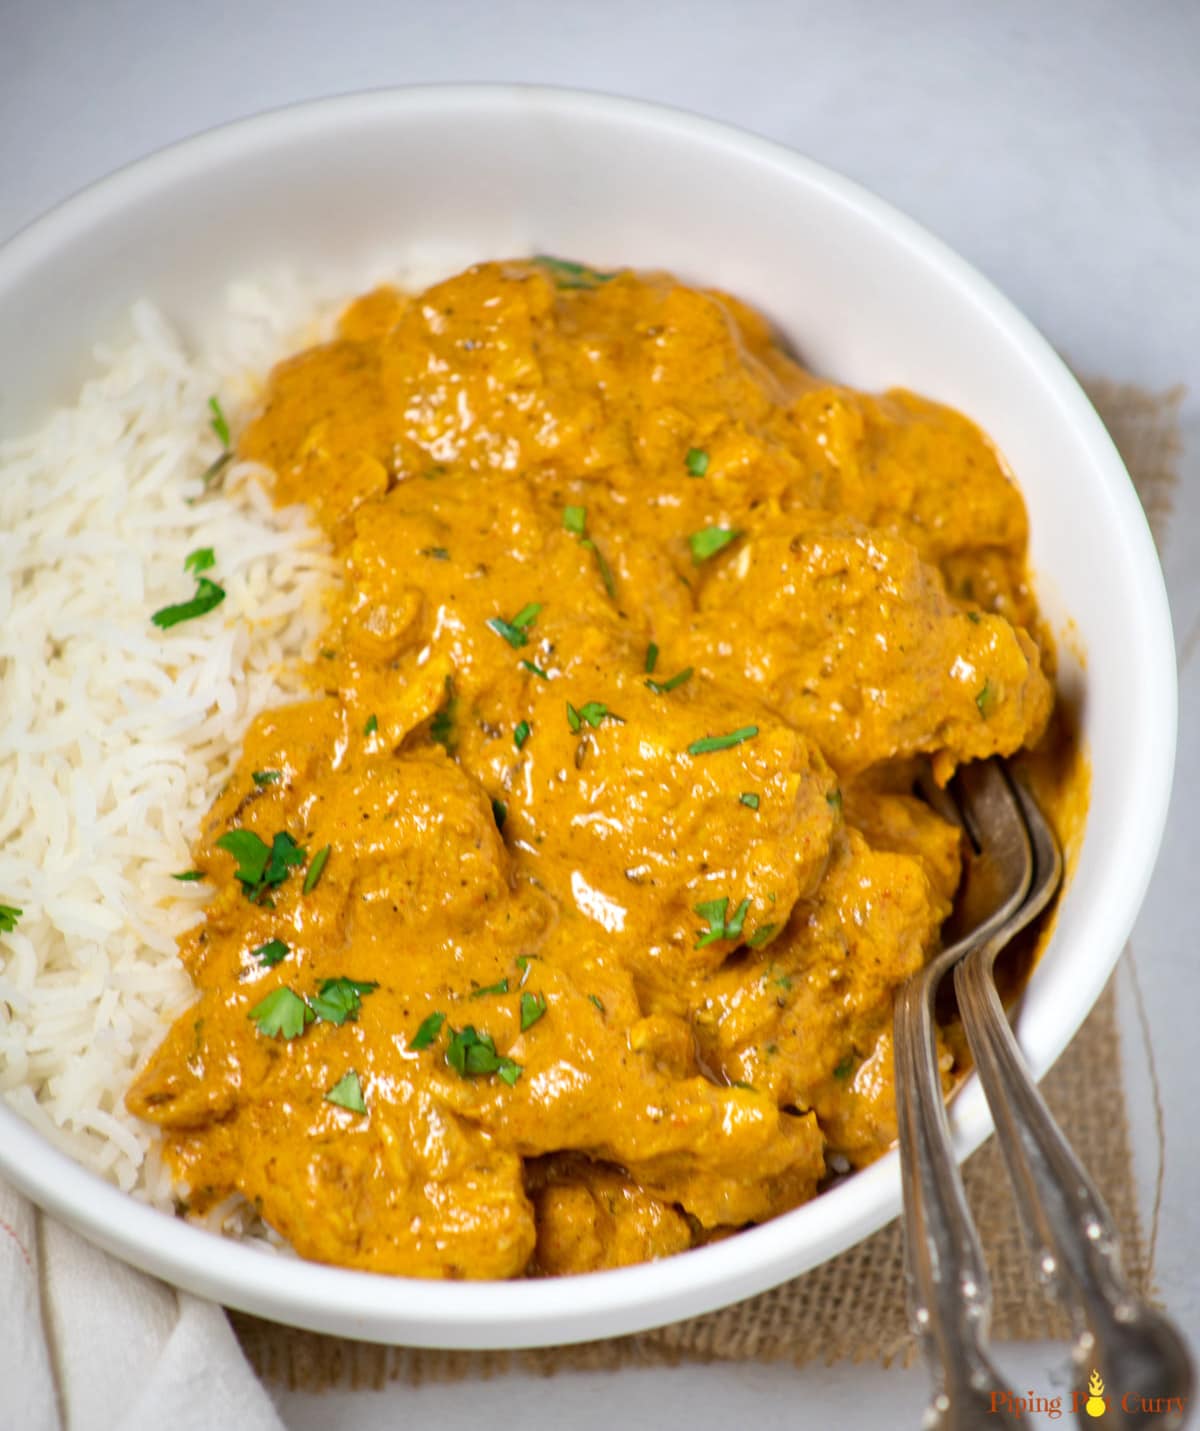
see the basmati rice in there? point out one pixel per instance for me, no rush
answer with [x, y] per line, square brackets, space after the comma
[115, 737]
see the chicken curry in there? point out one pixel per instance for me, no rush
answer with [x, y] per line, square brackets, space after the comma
[559, 928]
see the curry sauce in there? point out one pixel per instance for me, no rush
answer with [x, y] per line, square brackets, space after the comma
[559, 927]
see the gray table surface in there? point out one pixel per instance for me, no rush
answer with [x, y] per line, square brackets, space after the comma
[1056, 146]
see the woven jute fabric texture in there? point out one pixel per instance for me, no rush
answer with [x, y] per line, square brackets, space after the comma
[852, 1307]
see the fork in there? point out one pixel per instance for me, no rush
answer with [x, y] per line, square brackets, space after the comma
[1138, 1350]
[949, 1299]
[1067, 1223]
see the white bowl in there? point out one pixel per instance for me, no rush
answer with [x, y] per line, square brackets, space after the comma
[451, 175]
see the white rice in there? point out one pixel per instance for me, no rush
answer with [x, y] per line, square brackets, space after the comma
[115, 737]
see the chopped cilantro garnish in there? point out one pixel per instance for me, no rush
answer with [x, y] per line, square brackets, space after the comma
[594, 712]
[606, 575]
[595, 999]
[986, 699]
[340, 999]
[522, 733]
[710, 541]
[313, 877]
[572, 717]
[534, 669]
[714, 912]
[261, 866]
[282, 1012]
[651, 658]
[567, 274]
[696, 461]
[512, 634]
[473, 1055]
[661, 688]
[347, 1093]
[188, 876]
[9, 915]
[218, 422]
[846, 1067]
[501, 987]
[499, 813]
[208, 596]
[371, 726]
[429, 1030]
[266, 777]
[722, 742]
[270, 953]
[533, 1006]
[215, 468]
[575, 520]
[974, 618]
[514, 631]
[199, 560]
[749, 799]
[834, 800]
[763, 935]
[441, 727]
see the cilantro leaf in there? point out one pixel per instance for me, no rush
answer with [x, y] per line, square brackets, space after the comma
[266, 777]
[515, 631]
[473, 1055]
[208, 596]
[250, 853]
[270, 953]
[696, 461]
[340, 999]
[282, 1012]
[313, 877]
[199, 560]
[533, 1006]
[606, 576]
[715, 913]
[347, 1093]
[567, 274]
[722, 742]
[710, 541]
[429, 1030]
[499, 988]
[218, 423]
[9, 916]
[662, 688]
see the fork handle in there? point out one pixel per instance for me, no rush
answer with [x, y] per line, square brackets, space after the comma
[1137, 1349]
[949, 1298]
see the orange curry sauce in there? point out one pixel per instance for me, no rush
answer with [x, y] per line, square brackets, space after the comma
[641, 633]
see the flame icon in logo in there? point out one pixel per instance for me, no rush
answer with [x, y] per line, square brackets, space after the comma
[1095, 1405]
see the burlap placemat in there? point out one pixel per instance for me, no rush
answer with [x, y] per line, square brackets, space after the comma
[853, 1306]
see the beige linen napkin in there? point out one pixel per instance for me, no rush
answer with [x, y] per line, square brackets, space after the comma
[88, 1344]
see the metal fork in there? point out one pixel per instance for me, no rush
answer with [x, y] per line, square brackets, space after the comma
[949, 1299]
[1138, 1351]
